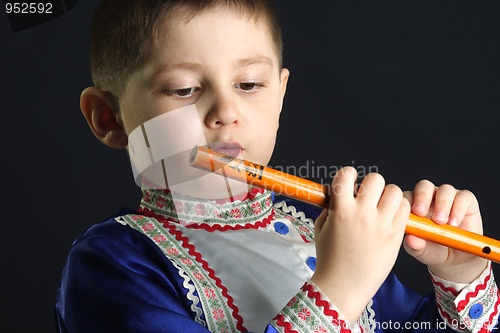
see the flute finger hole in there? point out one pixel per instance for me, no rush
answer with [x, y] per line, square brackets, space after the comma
[486, 250]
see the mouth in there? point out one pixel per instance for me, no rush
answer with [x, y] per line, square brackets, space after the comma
[232, 149]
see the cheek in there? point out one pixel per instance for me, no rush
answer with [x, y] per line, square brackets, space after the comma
[134, 113]
[268, 123]
[266, 137]
[130, 119]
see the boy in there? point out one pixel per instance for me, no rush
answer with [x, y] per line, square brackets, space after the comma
[195, 260]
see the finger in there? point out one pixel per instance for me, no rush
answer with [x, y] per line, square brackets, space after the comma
[320, 221]
[465, 203]
[414, 246]
[371, 189]
[409, 196]
[422, 197]
[343, 186]
[426, 252]
[443, 201]
[390, 201]
[402, 215]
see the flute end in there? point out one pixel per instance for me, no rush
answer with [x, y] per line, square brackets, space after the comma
[193, 156]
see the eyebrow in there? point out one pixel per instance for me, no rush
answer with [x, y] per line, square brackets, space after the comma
[194, 66]
[170, 67]
[255, 60]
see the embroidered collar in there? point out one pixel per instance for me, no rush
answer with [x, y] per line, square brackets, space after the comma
[249, 211]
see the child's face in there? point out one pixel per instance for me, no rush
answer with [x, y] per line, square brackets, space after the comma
[225, 64]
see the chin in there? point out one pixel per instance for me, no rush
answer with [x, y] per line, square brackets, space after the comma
[210, 186]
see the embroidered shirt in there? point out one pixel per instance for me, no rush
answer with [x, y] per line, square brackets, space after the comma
[238, 265]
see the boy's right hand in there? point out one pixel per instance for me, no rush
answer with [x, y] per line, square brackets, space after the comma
[358, 239]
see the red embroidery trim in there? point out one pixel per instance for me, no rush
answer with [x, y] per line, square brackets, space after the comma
[326, 308]
[240, 197]
[280, 320]
[493, 315]
[304, 238]
[443, 288]
[462, 304]
[211, 273]
[444, 314]
[210, 228]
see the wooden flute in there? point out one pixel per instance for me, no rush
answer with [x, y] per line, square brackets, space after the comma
[317, 194]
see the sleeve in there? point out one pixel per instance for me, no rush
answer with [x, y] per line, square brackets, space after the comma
[119, 284]
[469, 308]
[395, 308]
[311, 311]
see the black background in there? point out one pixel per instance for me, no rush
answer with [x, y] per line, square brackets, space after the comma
[410, 87]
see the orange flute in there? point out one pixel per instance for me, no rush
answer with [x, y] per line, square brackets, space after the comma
[317, 194]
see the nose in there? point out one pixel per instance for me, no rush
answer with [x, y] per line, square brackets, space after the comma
[223, 112]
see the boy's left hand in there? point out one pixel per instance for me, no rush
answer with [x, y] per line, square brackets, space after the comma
[446, 205]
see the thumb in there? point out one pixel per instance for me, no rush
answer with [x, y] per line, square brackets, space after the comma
[415, 246]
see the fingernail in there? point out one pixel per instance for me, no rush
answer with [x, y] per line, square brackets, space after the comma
[420, 207]
[453, 222]
[439, 216]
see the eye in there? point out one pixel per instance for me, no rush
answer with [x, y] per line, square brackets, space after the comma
[182, 93]
[249, 87]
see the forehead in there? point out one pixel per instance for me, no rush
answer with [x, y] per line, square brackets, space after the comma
[223, 33]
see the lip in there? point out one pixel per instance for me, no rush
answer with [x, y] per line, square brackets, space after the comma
[233, 149]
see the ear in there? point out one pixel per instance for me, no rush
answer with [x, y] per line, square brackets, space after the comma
[284, 75]
[101, 111]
